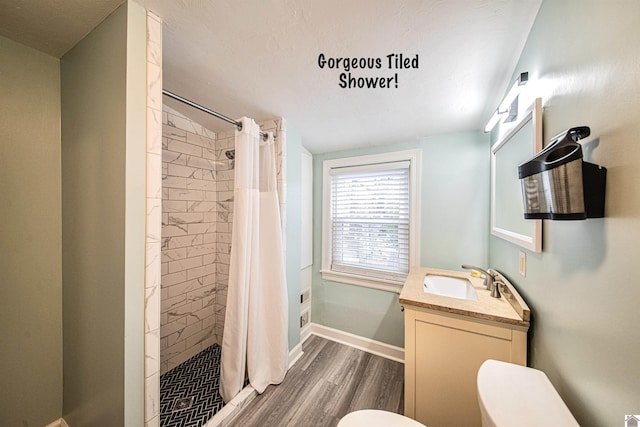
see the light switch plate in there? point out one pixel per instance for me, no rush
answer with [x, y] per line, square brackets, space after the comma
[522, 266]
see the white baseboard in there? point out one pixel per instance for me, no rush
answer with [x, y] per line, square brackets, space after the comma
[295, 354]
[58, 423]
[305, 333]
[370, 346]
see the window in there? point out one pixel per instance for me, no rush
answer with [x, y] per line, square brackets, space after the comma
[370, 219]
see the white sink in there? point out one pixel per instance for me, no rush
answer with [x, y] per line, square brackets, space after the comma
[450, 287]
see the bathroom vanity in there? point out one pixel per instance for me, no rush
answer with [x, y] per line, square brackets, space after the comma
[448, 338]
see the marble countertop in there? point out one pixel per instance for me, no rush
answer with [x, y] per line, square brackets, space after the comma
[510, 308]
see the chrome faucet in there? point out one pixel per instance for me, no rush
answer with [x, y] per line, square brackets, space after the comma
[489, 276]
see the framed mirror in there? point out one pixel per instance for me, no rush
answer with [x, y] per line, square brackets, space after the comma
[516, 146]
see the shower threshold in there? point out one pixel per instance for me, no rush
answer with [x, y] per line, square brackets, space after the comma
[233, 408]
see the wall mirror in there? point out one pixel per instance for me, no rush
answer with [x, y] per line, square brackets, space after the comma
[516, 146]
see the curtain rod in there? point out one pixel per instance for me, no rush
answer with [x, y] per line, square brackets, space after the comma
[238, 125]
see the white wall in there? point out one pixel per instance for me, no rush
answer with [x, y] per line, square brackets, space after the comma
[582, 59]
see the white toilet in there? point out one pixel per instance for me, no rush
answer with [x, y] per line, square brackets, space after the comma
[511, 395]
[508, 394]
[377, 418]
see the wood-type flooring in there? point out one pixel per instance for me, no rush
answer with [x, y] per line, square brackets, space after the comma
[329, 381]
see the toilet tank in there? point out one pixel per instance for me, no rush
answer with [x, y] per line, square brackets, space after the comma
[514, 395]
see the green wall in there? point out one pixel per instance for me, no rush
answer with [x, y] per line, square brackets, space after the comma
[30, 237]
[103, 222]
[582, 59]
[455, 216]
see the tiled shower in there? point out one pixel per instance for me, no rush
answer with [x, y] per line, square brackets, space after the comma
[188, 235]
[197, 214]
[197, 198]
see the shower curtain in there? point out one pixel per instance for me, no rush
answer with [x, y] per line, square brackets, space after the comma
[256, 320]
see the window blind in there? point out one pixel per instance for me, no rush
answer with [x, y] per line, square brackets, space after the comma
[370, 220]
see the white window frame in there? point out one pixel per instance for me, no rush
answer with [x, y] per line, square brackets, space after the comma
[415, 178]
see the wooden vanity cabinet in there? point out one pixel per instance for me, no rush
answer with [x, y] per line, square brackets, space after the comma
[443, 353]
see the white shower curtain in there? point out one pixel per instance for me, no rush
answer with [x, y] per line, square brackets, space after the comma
[256, 320]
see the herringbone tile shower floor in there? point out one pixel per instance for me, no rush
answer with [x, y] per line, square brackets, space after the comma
[189, 393]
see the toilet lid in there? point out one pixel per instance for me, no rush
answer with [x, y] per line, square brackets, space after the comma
[376, 418]
[510, 394]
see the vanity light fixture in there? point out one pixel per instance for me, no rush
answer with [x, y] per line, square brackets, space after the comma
[508, 101]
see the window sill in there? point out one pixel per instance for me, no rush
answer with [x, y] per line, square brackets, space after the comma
[367, 282]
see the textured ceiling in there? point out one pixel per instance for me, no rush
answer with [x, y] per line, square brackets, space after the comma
[260, 59]
[52, 26]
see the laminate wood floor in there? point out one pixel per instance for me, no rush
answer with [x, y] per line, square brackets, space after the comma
[329, 381]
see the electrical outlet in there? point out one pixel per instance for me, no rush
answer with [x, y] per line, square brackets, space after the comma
[522, 267]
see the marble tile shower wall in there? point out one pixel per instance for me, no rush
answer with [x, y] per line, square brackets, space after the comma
[189, 239]
[198, 184]
[224, 141]
[154, 220]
